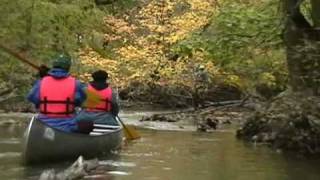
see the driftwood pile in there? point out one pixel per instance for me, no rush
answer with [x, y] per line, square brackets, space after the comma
[207, 118]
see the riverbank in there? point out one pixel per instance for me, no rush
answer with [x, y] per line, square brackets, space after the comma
[289, 122]
[150, 98]
[152, 95]
[204, 120]
[160, 119]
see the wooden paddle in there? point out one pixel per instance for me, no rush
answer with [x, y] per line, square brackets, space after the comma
[92, 99]
[130, 132]
[19, 57]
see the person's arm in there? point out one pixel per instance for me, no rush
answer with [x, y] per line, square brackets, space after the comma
[80, 95]
[43, 71]
[34, 94]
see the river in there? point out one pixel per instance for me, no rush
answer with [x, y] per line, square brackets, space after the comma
[173, 155]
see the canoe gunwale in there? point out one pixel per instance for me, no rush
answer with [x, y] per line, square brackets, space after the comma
[73, 133]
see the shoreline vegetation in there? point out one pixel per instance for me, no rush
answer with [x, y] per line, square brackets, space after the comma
[182, 54]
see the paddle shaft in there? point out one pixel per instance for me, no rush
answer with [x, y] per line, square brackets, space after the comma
[131, 133]
[124, 126]
[19, 56]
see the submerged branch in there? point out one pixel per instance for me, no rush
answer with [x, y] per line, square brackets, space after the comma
[7, 94]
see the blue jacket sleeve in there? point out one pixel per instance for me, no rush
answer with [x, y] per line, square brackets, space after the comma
[34, 94]
[80, 94]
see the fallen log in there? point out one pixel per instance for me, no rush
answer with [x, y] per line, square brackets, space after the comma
[222, 103]
[213, 104]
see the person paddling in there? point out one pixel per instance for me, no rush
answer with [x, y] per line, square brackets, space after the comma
[57, 94]
[101, 107]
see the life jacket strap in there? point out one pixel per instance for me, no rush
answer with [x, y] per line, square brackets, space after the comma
[67, 102]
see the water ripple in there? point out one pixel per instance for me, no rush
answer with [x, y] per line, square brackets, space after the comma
[117, 163]
[10, 141]
[122, 173]
[209, 140]
[9, 154]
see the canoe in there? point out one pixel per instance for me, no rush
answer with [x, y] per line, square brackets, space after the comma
[42, 143]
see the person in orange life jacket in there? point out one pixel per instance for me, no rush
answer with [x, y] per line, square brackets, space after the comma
[57, 94]
[102, 112]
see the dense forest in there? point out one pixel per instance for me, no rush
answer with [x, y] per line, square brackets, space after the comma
[263, 50]
[152, 45]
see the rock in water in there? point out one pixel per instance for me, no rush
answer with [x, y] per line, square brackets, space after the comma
[77, 170]
[48, 175]
[212, 123]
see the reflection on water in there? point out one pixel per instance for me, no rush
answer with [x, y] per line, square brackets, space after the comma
[117, 163]
[173, 156]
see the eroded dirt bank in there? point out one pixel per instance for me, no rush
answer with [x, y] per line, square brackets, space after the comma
[289, 122]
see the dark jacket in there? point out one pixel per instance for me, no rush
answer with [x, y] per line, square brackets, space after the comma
[66, 124]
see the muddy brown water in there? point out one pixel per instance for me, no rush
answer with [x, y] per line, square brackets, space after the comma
[172, 155]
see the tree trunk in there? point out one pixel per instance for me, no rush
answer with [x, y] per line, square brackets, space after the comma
[316, 20]
[293, 37]
[29, 22]
[301, 40]
[316, 12]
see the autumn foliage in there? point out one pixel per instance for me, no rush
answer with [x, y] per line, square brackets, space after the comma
[141, 43]
[160, 43]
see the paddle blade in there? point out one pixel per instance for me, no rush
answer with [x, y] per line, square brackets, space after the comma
[92, 98]
[130, 132]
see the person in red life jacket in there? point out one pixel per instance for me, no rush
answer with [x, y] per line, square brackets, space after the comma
[104, 109]
[57, 94]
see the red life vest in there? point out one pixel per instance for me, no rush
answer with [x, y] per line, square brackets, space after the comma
[57, 96]
[105, 100]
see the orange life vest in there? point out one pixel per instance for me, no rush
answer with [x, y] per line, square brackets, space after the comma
[57, 96]
[104, 103]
